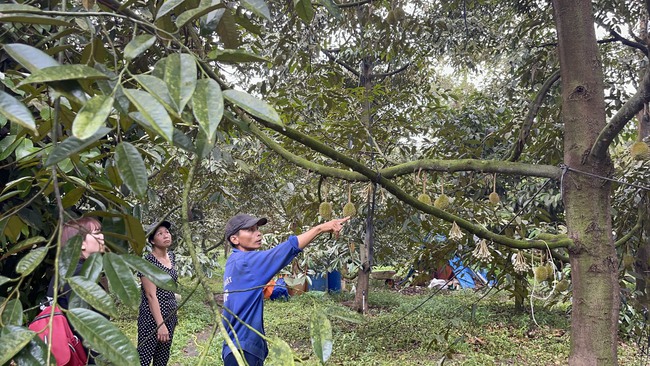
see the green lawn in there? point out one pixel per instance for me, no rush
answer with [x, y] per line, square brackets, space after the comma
[454, 324]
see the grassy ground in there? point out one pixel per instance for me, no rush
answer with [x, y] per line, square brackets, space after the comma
[451, 325]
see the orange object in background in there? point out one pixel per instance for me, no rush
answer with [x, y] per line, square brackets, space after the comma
[268, 289]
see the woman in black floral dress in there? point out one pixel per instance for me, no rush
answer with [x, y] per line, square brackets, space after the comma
[157, 317]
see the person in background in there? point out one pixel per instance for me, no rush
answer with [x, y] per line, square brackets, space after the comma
[247, 272]
[90, 230]
[157, 316]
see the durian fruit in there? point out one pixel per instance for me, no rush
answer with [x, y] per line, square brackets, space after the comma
[442, 202]
[562, 286]
[640, 151]
[325, 210]
[424, 198]
[628, 261]
[349, 210]
[541, 274]
[494, 196]
[550, 272]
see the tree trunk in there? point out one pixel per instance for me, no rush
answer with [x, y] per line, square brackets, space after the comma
[363, 280]
[595, 311]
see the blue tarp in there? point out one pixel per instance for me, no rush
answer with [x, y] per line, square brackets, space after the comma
[466, 277]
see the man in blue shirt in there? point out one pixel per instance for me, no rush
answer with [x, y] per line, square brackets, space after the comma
[247, 271]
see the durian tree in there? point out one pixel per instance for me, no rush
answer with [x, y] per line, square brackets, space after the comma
[97, 96]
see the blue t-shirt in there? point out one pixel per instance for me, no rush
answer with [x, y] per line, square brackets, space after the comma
[243, 279]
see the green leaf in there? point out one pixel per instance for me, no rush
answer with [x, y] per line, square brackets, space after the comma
[63, 72]
[31, 260]
[168, 6]
[73, 145]
[131, 168]
[92, 116]
[25, 244]
[11, 8]
[93, 294]
[280, 353]
[332, 8]
[12, 313]
[69, 256]
[157, 87]
[8, 145]
[121, 281]
[180, 76]
[138, 45]
[71, 198]
[180, 139]
[34, 354]
[252, 105]
[192, 14]
[4, 280]
[228, 30]
[34, 19]
[32, 58]
[12, 340]
[16, 111]
[320, 331]
[14, 227]
[92, 267]
[183, 141]
[156, 275]
[235, 56]
[203, 146]
[207, 106]
[152, 111]
[135, 232]
[104, 337]
[304, 9]
[258, 7]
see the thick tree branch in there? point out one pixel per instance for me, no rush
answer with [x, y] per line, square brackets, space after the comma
[627, 42]
[391, 73]
[354, 4]
[449, 166]
[622, 117]
[534, 106]
[393, 188]
[629, 234]
[344, 64]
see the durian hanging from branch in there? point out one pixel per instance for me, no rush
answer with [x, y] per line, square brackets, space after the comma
[442, 202]
[640, 149]
[494, 196]
[348, 209]
[423, 197]
[325, 208]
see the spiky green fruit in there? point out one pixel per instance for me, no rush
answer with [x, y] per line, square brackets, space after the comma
[325, 210]
[349, 209]
[563, 285]
[424, 198]
[540, 273]
[640, 151]
[550, 271]
[494, 198]
[442, 202]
